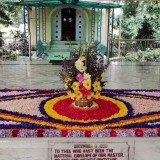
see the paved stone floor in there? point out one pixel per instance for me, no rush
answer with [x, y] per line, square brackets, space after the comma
[38, 74]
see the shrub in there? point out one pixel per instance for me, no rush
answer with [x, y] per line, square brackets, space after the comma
[148, 55]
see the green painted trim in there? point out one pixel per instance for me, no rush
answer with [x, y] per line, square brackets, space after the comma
[44, 24]
[49, 3]
[38, 24]
[99, 24]
[101, 28]
[92, 24]
[112, 33]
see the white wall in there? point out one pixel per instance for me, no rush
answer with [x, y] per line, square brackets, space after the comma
[39, 148]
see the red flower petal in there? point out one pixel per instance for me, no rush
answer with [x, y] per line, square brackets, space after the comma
[87, 133]
[15, 132]
[113, 133]
[105, 109]
[64, 133]
[139, 133]
[158, 132]
[40, 132]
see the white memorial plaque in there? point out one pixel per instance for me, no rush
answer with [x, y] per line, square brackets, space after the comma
[90, 151]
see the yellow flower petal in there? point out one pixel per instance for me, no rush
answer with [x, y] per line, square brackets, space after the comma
[87, 84]
[75, 86]
[78, 95]
[97, 86]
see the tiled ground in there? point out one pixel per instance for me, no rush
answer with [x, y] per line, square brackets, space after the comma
[38, 74]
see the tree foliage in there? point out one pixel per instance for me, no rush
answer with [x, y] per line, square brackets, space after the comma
[141, 20]
[8, 13]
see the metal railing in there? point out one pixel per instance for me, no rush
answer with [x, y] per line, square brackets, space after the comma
[133, 47]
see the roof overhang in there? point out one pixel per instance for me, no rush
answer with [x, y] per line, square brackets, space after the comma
[55, 3]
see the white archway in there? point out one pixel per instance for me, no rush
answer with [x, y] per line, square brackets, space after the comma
[82, 23]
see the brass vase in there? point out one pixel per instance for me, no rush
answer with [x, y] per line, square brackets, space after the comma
[83, 102]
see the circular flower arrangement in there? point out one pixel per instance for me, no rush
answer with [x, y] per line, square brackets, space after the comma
[50, 113]
[61, 108]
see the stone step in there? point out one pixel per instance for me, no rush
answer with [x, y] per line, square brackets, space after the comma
[67, 42]
[54, 48]
[57, 57]
[67, 48]
[59, 50]
[58, 54]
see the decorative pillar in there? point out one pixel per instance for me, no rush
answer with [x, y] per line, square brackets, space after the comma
[92, 24]
[37, 16]
[99, 24]
[44, 24]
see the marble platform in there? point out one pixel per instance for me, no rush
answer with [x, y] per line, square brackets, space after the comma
[39, 74]
[41, 148]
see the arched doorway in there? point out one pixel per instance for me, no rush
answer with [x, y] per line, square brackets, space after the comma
[68, 24]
